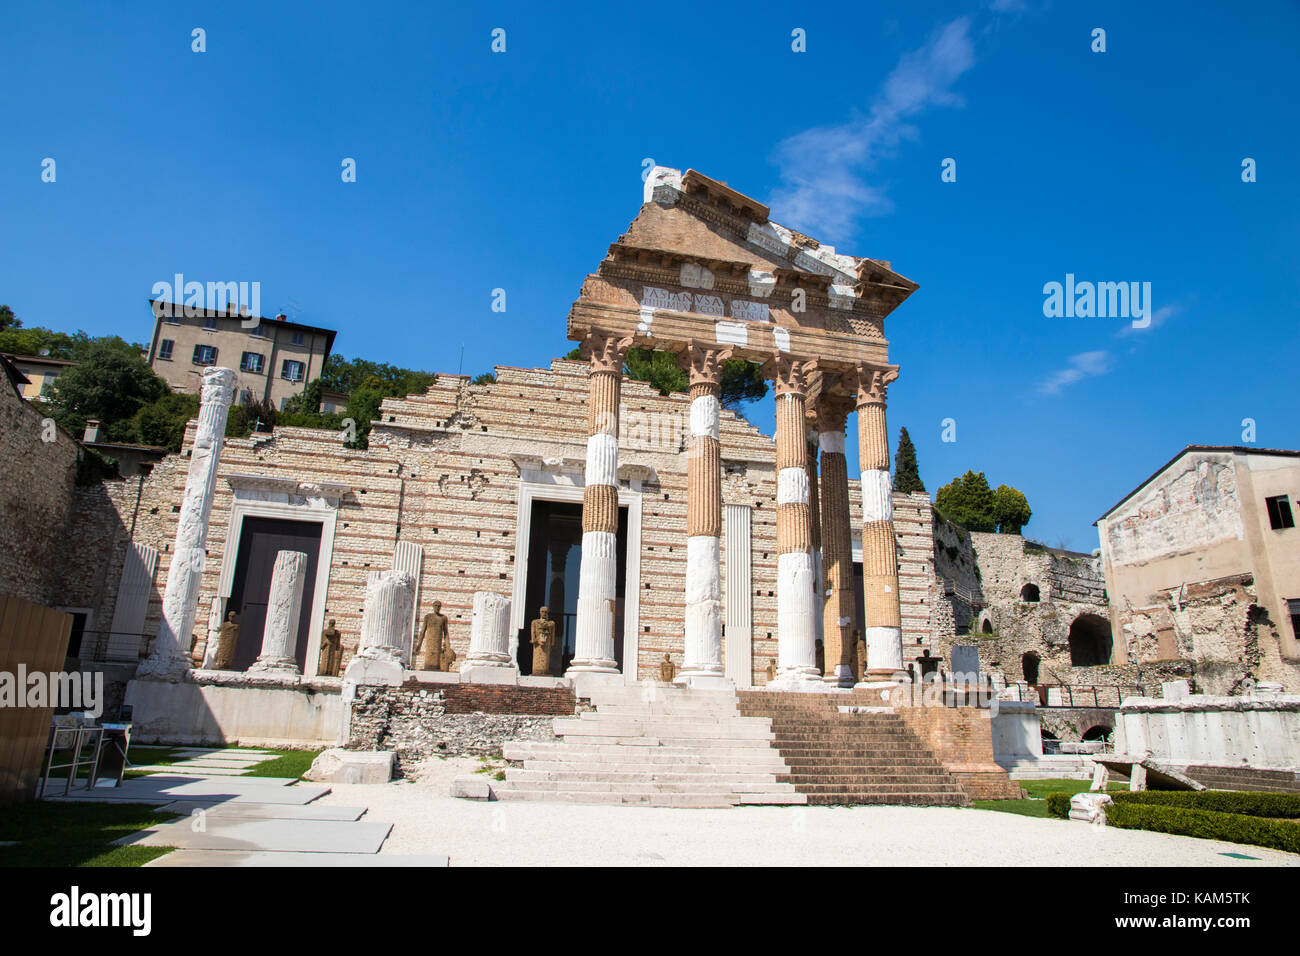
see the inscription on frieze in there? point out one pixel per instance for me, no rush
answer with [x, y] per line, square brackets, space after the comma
[749, 311]
[663, 299]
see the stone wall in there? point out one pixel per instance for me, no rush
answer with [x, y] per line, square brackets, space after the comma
[35, 499]
[419, 720]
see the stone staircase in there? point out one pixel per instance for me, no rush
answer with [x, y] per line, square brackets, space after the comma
[653, 745]
[851, 758]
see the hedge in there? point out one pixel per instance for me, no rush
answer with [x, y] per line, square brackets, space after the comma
[1058, 805]
[1251, 804]
[1206, 824]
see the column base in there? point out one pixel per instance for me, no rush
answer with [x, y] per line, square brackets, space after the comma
[803, 679]
[485, 672]
[164, 668]
[369, 670]
[704, 680]
[842, 676]
[596, 666]
[275, 667]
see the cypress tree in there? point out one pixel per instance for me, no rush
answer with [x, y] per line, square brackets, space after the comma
[907, 478]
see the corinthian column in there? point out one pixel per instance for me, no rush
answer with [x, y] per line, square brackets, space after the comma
[703, 656]
[815, 526]
[884, 637]
[170, 657]
[837, 541]
[598, 573]
[795, 578]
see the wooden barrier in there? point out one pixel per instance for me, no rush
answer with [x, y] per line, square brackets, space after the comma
[37, 638]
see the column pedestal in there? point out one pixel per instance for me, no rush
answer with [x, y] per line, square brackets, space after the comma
[488, 660]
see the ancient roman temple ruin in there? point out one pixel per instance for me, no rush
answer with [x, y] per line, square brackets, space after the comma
[504, 555]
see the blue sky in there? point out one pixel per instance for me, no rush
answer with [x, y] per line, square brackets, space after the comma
[478, 170]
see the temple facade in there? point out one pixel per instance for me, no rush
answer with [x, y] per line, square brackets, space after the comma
[649, 525]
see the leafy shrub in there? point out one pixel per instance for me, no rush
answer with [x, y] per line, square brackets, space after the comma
[1275, 805]
[1206, 824]
[1058, 805]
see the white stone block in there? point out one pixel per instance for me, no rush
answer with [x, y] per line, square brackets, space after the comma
[351, 766]
[471, 786]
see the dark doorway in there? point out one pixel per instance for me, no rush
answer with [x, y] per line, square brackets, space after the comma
[1090, 641]
[1029, 667]
[1029, 593]
[259, 541]
[554, 565]
[987, 626]
[1100, 732]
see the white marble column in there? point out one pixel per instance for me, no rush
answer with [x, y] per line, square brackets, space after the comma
[488, 660]
[170, 657]
[594, 651]
[385, 631]
[280, 632]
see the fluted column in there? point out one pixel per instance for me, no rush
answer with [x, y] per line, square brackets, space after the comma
[837, 541]
[598, 573]
[795, 613]
[815, 525]
[703, 653]
[170, 657]
[884, 634]
[386, 617]
[283, 606]
[488, 660]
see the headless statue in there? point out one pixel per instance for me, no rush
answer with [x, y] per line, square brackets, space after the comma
[543, 641]
[667, 669]
[438, 655]
[227, 638]
[331, 651]
[771, 671]
[861, 672]
[821, 657]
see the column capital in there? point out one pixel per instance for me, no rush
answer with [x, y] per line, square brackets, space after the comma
[703, 362]
[830, 413]
[606, 350]
[790, 374]
[873, 382]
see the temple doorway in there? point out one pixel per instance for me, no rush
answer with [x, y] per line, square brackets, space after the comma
[554, 564]
[260, 539]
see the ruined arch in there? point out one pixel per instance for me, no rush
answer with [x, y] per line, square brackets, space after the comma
[1029, 594]
[1098, 732]
[1029, 667]
[1090, 641]
[986, 627]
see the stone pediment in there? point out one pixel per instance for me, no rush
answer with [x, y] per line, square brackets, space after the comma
[703, 264]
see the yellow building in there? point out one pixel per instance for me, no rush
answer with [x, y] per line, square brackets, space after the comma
[40, 371]
[273, 359]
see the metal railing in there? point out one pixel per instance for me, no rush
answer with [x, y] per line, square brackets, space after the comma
[80, 737]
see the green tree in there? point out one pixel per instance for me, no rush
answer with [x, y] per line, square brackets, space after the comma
[968, 501]
[486, 378]
[1010, 509]
[907, 477]
[111, 384]
[161, 422]
[8, 320]
[658, 369]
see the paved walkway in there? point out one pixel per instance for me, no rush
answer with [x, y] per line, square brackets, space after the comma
[475, 833]
[229, 819]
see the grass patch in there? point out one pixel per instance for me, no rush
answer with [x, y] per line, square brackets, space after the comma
[77, 834]
[284, 763]
[1039, 797]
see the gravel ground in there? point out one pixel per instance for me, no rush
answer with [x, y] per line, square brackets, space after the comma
[473, 833]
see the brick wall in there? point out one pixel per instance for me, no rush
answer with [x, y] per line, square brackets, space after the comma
[419, 720]
[961, 738]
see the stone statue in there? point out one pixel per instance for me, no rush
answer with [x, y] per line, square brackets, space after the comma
[438, 655]
[227, 638]
[821, 657]
[667, 669]
[331, 651]
[543, 641]
[771, 671]
[861, 656]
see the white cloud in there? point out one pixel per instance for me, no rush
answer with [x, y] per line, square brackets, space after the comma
[1081, 366]
[821, 168]
[1158, 318]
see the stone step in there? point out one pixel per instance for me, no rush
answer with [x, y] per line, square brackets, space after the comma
[807, 781]
[527, 749]
[651, 799]
[656, 767]
[679, 727]
[736, 781]
[650, 786]
[886, 799]
[689, 743]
